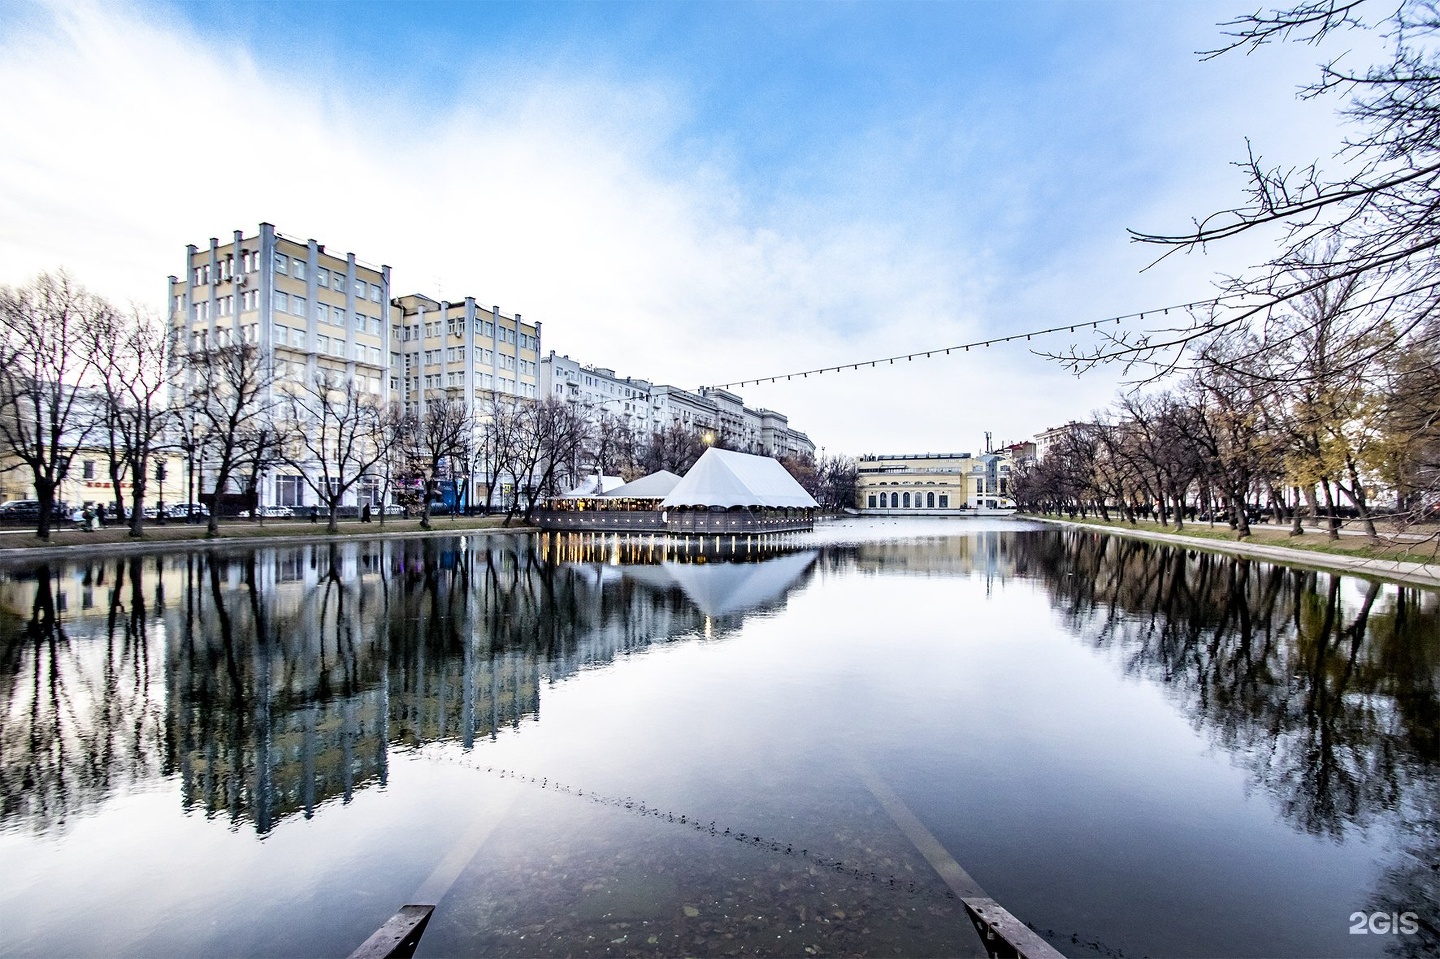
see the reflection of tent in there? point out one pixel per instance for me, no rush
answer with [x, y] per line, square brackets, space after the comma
[591, 487]
[655, 486]
[725, 478]
[718, 589]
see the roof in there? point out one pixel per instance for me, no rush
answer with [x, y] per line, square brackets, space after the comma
[587, 486]
[726, 478]
[719, 589]
[654, 486]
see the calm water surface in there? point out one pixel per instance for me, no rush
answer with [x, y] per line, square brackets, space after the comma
[595, 747]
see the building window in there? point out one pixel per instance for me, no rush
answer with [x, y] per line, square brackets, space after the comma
[944, 501]
[322, 344]
[322, 277]
[298, 269]
[282, 302]
[89, 469]
[289, 491]
[929, 500]
[871, 501]
[282, 263]
[298, 305]
[374, 293]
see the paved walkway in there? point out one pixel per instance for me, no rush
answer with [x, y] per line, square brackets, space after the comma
[1419, 574]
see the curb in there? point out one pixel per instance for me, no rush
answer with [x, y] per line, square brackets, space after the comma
[1415, 574]
[201, 544]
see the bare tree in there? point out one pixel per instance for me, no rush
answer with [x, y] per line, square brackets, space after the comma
[333, 435]
[230, 388]
[134, 355]
[48, 405]
[500, 443]
[548, 435]
[674, 448]
[441, 434]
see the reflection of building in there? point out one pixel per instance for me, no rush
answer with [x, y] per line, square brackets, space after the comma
[289, 672]
[944, 484]
[988, 552]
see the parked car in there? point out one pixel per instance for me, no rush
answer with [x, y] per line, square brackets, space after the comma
[17, 508]
[182, 510]
[394, 509]
[275, 511]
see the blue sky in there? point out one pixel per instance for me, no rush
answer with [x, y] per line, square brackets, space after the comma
[692, 193]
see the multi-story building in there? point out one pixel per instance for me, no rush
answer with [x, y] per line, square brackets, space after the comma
[308, 310]
[646, 407]
[934, 483]
[599, 389]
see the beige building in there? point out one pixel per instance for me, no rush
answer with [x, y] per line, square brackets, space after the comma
[934, 484]
[307, 309]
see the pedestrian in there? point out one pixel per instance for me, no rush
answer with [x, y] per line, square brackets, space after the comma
[99, 515]
[314, 514]
[87, 517]
[365, 514]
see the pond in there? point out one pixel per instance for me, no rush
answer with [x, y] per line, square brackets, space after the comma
[591, 746]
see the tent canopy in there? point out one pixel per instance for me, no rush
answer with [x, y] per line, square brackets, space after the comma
[725, 478]
[654, 486]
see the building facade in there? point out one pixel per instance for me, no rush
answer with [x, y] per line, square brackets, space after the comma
[309, 310]
[647, 407]
[936, 484]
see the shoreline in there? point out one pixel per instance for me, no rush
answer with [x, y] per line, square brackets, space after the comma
[1390, 570]
[199, 542]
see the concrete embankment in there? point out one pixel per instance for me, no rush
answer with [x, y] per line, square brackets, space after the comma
[162, 544]
[1417, 574]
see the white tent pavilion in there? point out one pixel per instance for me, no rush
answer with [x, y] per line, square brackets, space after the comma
[655, 486]
[726, 479]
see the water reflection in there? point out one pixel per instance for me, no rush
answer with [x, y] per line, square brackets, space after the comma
[289, 673]
[1326, 689]
[269, 685]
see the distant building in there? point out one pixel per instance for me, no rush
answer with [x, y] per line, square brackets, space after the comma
[647, 407]
[1046, 439]
[934, 483]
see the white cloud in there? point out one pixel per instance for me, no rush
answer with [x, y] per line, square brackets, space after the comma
[566, 199]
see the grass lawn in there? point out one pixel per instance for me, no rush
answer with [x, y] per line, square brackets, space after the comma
[1407, 551]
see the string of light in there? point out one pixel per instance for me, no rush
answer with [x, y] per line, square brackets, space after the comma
[965, 347]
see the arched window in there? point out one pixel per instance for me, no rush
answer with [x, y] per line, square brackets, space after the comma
[894, 500]
[907, 499]
[929, 500]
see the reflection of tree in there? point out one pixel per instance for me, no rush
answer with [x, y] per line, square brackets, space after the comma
[288, 672]
[81, 717]
[1323, 687]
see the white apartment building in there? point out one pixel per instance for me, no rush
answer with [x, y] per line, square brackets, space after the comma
[307, 308]
[647, 407]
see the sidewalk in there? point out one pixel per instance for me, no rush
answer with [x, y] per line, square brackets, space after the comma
[1418, 574]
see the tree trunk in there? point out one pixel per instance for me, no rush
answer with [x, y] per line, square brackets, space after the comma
[333, 524]
[1296, 526]
[1332, 528]
[1356, 492]
[137, 509]
[45, 493]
